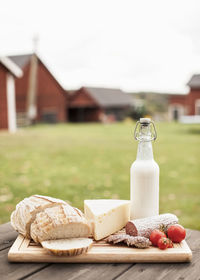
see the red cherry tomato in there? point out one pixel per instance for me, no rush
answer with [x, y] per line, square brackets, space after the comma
[163, 243]
[176, 233]
[156, 234]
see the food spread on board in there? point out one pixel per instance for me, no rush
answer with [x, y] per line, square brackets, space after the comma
[64, 230]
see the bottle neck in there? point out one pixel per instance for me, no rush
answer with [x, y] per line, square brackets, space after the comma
[145, 151]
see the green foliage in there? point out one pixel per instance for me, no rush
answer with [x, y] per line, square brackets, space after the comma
[137, 113]
[152, 103]
[77, 162]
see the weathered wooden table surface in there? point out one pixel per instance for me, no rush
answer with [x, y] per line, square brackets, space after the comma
[40, 271]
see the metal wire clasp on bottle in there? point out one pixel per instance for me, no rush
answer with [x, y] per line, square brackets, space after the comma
[153, 131]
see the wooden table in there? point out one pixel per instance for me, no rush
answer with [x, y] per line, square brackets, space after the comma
[41, 271]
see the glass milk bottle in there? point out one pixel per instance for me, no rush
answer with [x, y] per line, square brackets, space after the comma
[144, 177]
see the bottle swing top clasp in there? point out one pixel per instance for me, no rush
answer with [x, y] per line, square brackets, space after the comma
[145, 130]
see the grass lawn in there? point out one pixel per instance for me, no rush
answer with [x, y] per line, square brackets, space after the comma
[77, 162]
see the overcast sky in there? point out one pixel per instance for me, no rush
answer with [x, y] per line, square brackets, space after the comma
[135, 45]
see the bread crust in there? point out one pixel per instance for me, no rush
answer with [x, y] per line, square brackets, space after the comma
[27, 209]
[62, 221]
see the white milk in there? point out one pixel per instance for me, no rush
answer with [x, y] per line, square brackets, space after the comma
[144, 178]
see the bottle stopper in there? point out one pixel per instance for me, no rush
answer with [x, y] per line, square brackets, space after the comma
[145, 122]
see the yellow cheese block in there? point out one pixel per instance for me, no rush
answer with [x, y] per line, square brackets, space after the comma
[107, 215]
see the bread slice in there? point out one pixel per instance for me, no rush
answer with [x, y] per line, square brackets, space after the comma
[68, 247]
[59, 222]
[27, 209]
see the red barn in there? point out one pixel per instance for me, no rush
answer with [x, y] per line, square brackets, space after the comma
[186, 105]
[90, 104]
[8, 72]
[39, 96]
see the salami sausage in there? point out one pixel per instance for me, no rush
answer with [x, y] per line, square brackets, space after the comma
[132, 241]
[144, 227]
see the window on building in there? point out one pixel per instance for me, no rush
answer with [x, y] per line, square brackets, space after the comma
[175, 114]
[49, 117]
[197, 107]
[176, 111]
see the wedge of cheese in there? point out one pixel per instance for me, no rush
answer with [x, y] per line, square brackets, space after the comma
[106, 215]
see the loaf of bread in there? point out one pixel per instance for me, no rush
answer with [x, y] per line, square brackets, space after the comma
[59, 227]
[59, 222]
[26, 210]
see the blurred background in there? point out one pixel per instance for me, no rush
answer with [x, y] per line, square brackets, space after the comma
[74, 78]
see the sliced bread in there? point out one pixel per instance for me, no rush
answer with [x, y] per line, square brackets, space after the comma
[59, 222]
[27, 209]
[68, 247]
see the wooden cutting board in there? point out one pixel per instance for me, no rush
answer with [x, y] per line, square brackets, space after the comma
[25, 250]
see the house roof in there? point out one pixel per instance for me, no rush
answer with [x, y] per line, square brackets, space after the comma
[11, 66]
[107, 97]
[21, 60]
[194, 82]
